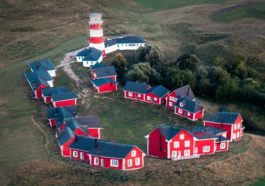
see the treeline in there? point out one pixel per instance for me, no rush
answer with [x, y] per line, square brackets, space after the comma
[225, 80]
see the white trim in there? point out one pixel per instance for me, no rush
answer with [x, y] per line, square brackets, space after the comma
[168, 149]
[113, 161]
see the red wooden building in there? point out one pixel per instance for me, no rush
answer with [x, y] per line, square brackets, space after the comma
[135, 90]
[57, 116]
[189, 109]
[171, 143]
[65, 137]
[156, 94]
[228, 121]
[63, 99]
[102, 153]
[182, 92]
[104, 72]
[104, 85]
[47, 92]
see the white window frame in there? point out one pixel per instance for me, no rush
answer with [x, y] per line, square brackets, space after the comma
[206, 149]
[181, 104]
[176, 144]
[102, 162]
[222, 146]
[174, 153]
[188, 113]
[96, 160]
[133, 153]
[238, 126]
[196, 150]
[186, 152]
[187, 143]
[170, 104]
[155, 99]
[75, 154]
[137, 161]
[81, 155]
[139, 95]
[234, 136]
[180, 111]
[148, 98]
[114, 163]
[129, 163]
[182, 136]
[235, 127]
[237, 134]
[130, 94]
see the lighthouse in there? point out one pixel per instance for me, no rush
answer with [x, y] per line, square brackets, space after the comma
[96, 32]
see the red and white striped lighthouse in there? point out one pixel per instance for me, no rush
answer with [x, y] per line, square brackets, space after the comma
[96, 32]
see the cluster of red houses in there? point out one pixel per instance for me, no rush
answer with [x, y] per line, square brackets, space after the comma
[104, 78]
[79, 136]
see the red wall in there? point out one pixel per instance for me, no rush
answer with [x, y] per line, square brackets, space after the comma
[106, 162]
[97, 39]
[154, 142]
[181, 148]
[139, 154]
[173, 103]
[38, 93]
[70, 102]
[47, 99]
[107, 87]
[199, 144]
[183, 114]
[65, 148]
[152, 96]
[96, 26]
[218, 149]
[226, 127]
[86, 157]
[199, 114]
[94, 133]
[134, 96]
[52, 122]
[80, 132]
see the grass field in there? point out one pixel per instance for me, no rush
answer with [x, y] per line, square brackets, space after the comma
[33, 30]
[251, 11]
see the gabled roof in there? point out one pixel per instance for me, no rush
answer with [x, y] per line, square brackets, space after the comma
[189, 105]
[135, 86]
[185, 92]
[36, 79]
[45, 65]
[168, 131]
[205, 135]
[123, 40]
[102, 81]
[67, 111]
[208, 129]
[223, 117]
[65, 135]
[221, 138]
[159, 91]
[105, 71]
[63, 96]
[100, 147]
[97, 65]
[90, 54]
[49, 91]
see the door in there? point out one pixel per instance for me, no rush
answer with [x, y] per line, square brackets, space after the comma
[179, 154]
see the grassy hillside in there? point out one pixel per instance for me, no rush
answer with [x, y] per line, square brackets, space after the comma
[32, 30]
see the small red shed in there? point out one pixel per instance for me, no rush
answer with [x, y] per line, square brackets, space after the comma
[104, 72]
[156, 95]
[63, 99]
[104, 85]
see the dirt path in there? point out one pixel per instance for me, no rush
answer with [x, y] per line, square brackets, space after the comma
[65, 63]
[43, 132]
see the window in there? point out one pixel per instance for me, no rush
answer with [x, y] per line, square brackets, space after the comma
[234, 127]
[196, 150]
[181, 104]
[222, 146]
[174, 154]
[206, 149]
[237, 134]
[139, 95]
[188, 113]
[187, 143]
[234, 136]
[102, 163]
[171, 98]
[186, 152]
[238, 126]
[130, 94]
[137, 161]
[170, 104]
[96, 161]
[148, 98]
[180, 111]
[75, 154]
[155, 98]
[176, 144]
[133, 153]
[81, 155]
[129, 162]
[114, 163]
[182, 136]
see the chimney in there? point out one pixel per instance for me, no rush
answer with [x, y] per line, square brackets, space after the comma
[37, 66]
[76, 138]
[96, 143]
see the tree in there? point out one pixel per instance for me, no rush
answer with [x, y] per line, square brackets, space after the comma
[141, 52]
[220, 61]
[188, 61]
[120, 65]
[155, 57]
[143, 72]
[227, 91]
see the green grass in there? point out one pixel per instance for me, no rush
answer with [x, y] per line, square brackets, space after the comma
[261, 182]
[169, 4]
[254, 11]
